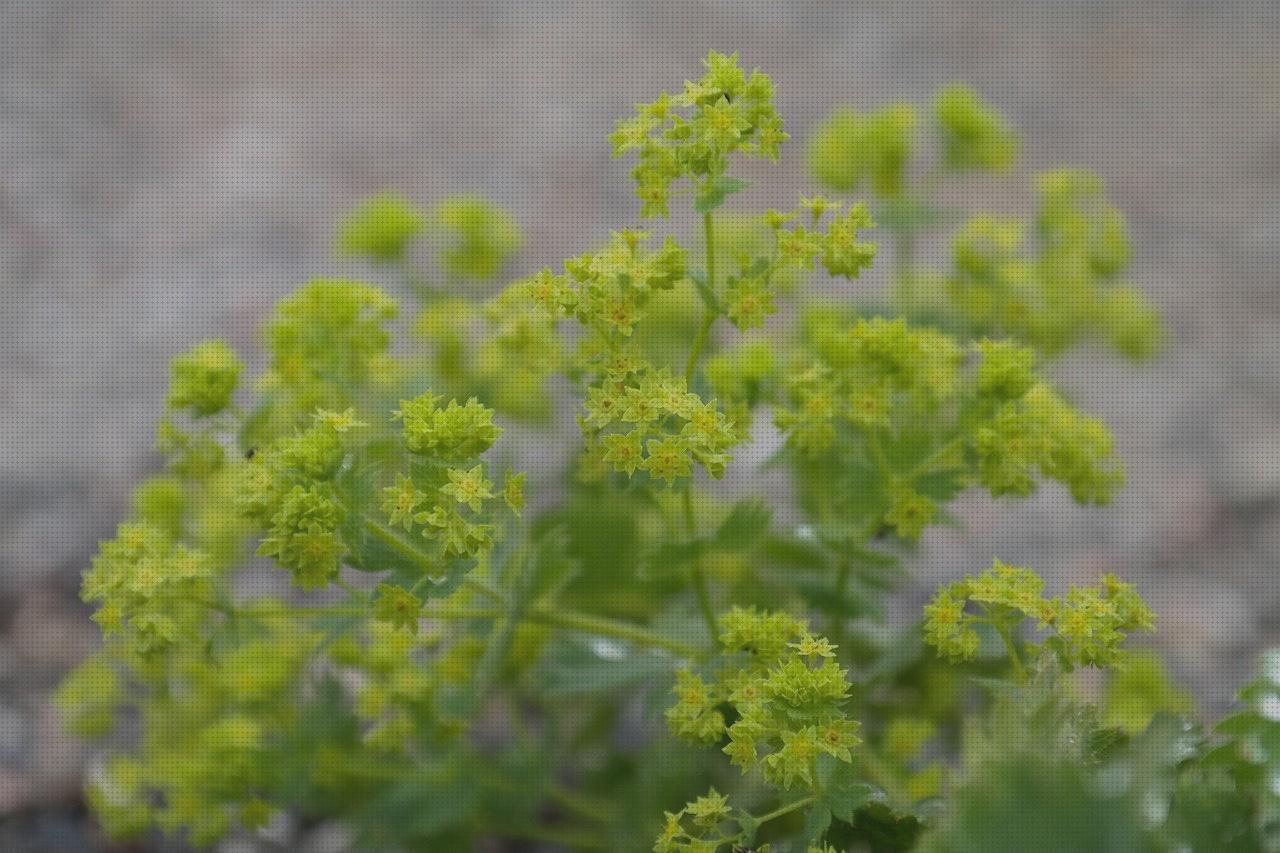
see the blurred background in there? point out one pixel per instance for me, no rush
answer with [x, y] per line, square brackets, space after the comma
[168, 170]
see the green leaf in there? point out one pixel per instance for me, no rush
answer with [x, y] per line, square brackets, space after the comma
[716, 191]
[817, 821]
[579, 666]
[844, 792]
[746, 524]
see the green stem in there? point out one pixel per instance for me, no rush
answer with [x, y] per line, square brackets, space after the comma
[589, 624]
[903, 261]
[695, 567]
[842, 588]
[787, 809]
[708, 318]
[926, 464]
[1015, 658]
[699, 343]
[582, 804]
[484, 588]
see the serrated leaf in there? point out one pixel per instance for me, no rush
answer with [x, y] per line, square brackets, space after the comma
[816, 822]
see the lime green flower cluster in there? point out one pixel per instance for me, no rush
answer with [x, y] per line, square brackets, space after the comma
[648, 420]
[481, 237]
[503, 350]
[1067, 290]
[787, 693]
[749, 294]
[289, 489]
[203, 381]
[850, 148]
[328, 342]
[607, 290]
[149, 589]
[667, 427]
[1088, 625]
[205, 378]
[974, 135]
[215, 728]
[729, 112]
[909, 406]
[1042, 433]
[739, 375]
[381, 228]
[698, 827]
[399, 681]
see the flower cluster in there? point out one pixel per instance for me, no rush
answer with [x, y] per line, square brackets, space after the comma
[149, 588]
[482, 237]
[665, 428]
[328, 341]
[217, 732]
[909, 405]
[503, 350]
[772, 252]
[289, 489]
[607, 290]
[727, 112]
[381, 227]
[850, 149]
[453, 432]
[697, 827]
[1067, 288]
[974, 135]
[204, 378]
[787, 693]
[1088, 624]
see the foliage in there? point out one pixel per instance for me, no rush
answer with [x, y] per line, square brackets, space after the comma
[445, 666]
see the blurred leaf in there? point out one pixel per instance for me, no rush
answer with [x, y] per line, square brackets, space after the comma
[716, 191]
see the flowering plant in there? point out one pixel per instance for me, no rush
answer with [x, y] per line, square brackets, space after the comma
[448, 639]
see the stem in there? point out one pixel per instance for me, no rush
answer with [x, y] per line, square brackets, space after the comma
[484, 587]
[787, 809]
[709, 317]
[350, 590]
[1016, 659]
[842, 587]
[589, 624]
[699, 343]
[695, 568]
[903, 261]
[926, 464]
[583, 804]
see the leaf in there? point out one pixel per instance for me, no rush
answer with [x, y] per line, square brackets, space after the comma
[741, 530]
[716, 191]
[816, 822]
[844, 792]
[553, 568]
[583, 666]
[793, 552]
[746, 524]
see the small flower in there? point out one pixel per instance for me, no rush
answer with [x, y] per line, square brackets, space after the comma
[398, 606]
[470, 488]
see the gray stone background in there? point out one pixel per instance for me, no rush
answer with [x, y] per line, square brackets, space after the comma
[168, 169]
